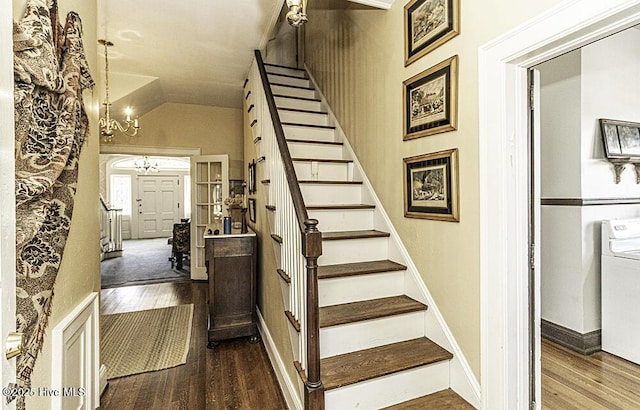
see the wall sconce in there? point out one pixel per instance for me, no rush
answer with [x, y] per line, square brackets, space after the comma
[297, 14]
[107, 124]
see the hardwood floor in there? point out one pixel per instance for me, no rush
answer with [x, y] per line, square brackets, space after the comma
[233, 375]
[599, 381]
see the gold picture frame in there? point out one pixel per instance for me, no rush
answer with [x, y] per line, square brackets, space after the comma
[430, 100]
[431, 186]
[428, 24]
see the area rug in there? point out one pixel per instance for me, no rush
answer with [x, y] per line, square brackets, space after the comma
[145, 341]
[143, 261]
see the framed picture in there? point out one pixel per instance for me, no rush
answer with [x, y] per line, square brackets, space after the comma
[252, 210]
[431, 186]
[621, 138]
[427, 25]
[430, 100]
[251, 185]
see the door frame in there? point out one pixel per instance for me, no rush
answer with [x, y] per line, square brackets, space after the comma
[7, 194]
[503, 64]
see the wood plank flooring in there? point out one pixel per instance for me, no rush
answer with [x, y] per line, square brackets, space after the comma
[234, 375]
[599, 381]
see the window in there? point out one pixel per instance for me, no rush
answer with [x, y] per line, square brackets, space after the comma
[120, 193]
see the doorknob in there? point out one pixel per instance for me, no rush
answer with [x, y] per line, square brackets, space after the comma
[15, 344]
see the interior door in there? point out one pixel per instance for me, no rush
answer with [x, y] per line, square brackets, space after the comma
[7, 197]
[158, 205]
[209, 189]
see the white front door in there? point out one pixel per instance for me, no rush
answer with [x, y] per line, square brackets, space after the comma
[158, 205]
[7, 197]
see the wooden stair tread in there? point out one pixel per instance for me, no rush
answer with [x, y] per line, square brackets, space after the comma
[299, 124]
[304, 111]
[444, 399]
[315, 142]
[337, 182]
[349, 368]
[368, 309]
[358, 268]
[339, 161]
[296, 98]
[336, 236]
[341, 206]
[297, 77]
[284, 66]
[294, 86]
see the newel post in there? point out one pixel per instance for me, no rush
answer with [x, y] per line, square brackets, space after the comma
[312, 249]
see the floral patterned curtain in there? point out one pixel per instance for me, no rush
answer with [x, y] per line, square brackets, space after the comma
[51, 72]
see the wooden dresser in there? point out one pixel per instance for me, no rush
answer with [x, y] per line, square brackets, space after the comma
[231, 265]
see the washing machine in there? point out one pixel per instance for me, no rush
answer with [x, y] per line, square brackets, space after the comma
[620, 275]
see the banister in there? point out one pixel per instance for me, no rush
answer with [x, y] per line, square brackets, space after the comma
[292, 179]
[311, 242]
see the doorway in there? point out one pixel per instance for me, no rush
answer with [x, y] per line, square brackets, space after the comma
[578, 190]
[504, 170]
[151, 194]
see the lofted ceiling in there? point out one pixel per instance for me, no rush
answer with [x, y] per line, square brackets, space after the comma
[190, 52]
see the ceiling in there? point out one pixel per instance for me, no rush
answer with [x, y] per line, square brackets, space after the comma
[189, 52]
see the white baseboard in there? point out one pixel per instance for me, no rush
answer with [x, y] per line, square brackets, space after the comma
[288, 386]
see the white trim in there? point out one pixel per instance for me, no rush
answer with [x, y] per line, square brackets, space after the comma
[288, 386]
[462, 379]
[503, 143]
[379, 4]
[149, 150]
[82, 324]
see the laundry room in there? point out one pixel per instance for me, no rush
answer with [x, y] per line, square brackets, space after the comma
[584, 182]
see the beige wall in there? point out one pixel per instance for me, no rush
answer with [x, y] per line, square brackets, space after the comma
[79, 273]
[357, 56]
[216, 130]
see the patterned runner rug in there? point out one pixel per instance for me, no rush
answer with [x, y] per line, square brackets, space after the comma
[145, 341]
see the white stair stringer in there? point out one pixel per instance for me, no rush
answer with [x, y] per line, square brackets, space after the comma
[458, 374]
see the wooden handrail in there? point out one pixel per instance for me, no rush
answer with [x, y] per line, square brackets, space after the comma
[292, 179]
[311, 250]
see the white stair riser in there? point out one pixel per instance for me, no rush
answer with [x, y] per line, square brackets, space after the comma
[283, 102]
[353, 250]
[321, 171]
[303, 117]
[392, 389]
[331, 194]
[336, 340]
[279, 79]
[292, 91]
[343, 219]
[308, 133]
[284, 70]
[311, 151]
[348, 289]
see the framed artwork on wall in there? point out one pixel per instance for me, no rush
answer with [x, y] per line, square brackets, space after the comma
[428, 24]
[252, 210]
[251, 184]
[430, 100]
[621, 138]
[431, 186]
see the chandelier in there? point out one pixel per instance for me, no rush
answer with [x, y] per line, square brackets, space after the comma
[107, 124]
[297, 14]
[146, 166]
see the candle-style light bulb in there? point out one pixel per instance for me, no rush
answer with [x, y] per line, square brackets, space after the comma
[127, 112]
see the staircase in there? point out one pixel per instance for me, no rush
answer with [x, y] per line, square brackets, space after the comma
[376, 349]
